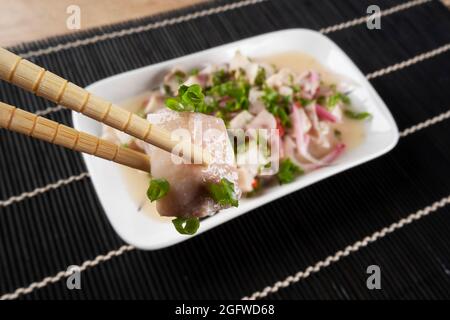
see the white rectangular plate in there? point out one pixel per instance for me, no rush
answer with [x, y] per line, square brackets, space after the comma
[146, 232]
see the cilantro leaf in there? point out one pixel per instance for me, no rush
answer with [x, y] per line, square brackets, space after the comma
[187, 226]
[158, 188]
[288, 171]
[223, 193]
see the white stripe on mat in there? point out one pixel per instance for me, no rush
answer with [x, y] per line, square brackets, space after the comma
[383, 13]
[49, 110]
[422, 125]
[147, 27]
[199, 14]
[349, 249]
[64, 274]
[37, 191]
[401, 65]
[292, 279]
[327, 30]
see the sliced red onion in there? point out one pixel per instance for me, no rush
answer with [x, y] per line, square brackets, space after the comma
[301, 138]
[328, 159]
[324, 114]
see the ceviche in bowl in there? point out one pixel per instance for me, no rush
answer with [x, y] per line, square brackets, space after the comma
[273, 124]
[276, 113]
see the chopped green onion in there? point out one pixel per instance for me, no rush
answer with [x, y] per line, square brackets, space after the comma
[192, 95]
[176, 105]
[158, 188]
[296, 88]
[180, 76]
[336, 98]
[166, 89]
[223, 193]
[187, 226]
[194, 72]
[337, 133]
[260, 77]
[236, 92]
[219, 77]
[357, 115]
[278, 105]
[304, 102]
[288, 171]
[189, 99]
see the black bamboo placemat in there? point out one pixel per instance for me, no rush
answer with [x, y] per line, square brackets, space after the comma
[43, 235]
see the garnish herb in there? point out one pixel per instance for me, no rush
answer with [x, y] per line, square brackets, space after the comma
[278, 105]
[220, 77]
[260, 77]
[357, 115]
[304, 102]
[167, 90]
[296, 88]
[337, 134]
[223, 193]
[288, 171]
[234, 93]
[189, 99]
[158, 188]
[194, 72]
[336, 98]
[176, 105]
[188, 226]
[180, 76]
[227, 95]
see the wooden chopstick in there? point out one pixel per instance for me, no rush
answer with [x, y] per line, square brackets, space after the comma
[48, 85]
[29, 124]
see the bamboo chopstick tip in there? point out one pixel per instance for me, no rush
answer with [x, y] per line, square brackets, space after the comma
[8, 63]
[36, 79]
[6, 113]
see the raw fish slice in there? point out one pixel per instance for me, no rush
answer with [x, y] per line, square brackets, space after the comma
[189, 195]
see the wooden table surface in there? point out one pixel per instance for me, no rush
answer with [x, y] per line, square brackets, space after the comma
[28, 20]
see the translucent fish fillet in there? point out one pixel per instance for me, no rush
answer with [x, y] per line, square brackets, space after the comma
[189, 195]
